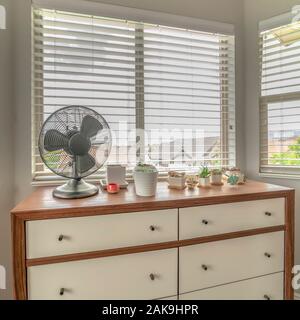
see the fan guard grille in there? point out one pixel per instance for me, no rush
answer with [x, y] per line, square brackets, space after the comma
[67, 121]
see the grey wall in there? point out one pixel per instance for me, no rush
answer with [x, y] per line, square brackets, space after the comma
[255, 11]
[6, 143]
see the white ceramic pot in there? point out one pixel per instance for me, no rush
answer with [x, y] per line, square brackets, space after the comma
[145, 183]
[216, 179]
[204, 182]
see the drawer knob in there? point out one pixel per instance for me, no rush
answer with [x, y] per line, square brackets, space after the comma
[204, 267]
[266, 297]
[152, 228]
[268, 255]
[152, 276]
[61, 291]
[60, 238]
[267, 213]
[204, 221]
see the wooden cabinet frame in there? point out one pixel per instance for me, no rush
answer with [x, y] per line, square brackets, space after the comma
[41, 205]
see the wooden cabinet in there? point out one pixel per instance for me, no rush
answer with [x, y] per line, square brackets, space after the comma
[217, 243]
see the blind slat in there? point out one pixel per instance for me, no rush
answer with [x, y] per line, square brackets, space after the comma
[40, 73]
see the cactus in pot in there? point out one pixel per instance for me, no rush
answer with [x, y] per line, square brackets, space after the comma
[204, 177]
[145, 180]
[216, 177]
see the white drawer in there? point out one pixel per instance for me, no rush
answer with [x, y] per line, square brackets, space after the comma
[215, 263]
[118, 277]
[225, 218]
[94, 233]
[263, 288]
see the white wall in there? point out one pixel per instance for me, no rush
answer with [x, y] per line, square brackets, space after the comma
[255, 11]
[229, 11]
[6, 142]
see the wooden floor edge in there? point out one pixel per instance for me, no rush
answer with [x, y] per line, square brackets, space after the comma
[149, 247]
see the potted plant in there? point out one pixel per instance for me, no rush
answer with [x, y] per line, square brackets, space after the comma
[204, 177]
[216, 177]
[176, 180]
[145, 180]
[192, 181]
[236, 172]
[233, 180]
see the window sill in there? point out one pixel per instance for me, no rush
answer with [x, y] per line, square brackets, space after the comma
[46, 181]
[280, 176]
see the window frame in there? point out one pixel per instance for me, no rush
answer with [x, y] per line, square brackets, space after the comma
[266, 170]
[82, 7]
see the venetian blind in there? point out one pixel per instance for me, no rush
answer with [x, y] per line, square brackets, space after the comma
[167, 93]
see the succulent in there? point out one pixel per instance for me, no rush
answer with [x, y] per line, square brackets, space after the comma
[233, 179]
[146, 168]
[204, 172]
[216, 172]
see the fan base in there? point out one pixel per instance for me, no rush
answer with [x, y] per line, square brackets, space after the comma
[75, 189]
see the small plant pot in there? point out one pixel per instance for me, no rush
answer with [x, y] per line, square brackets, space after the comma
[242, 179]
[233, 180]
[216, 179]
[176, 182]
[204, 182]
[145, 183]
[192, 181]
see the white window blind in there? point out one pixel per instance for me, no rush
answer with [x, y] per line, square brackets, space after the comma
[167, 93]
[280, 100]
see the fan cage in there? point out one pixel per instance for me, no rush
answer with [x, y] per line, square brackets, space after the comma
[65, 120]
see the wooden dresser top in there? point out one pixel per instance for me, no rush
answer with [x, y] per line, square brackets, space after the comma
[42, 205]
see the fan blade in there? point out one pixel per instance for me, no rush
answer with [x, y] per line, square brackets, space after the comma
[90, 126]
[85, 163]
[55, 140]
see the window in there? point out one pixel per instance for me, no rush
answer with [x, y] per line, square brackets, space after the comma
[167, 93]
[280, 100]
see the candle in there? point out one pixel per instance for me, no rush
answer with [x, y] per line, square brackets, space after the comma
[113, 188]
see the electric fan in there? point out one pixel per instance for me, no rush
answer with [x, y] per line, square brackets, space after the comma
[75, 142]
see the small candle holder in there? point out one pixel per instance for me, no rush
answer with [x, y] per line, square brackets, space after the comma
[113, 188]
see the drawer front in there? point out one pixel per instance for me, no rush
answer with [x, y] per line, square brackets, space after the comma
[225, 218]
[118, 277]
[263, 288]
[99, 232]
[215, 263]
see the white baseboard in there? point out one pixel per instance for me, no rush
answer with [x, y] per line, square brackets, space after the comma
[297, 296]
